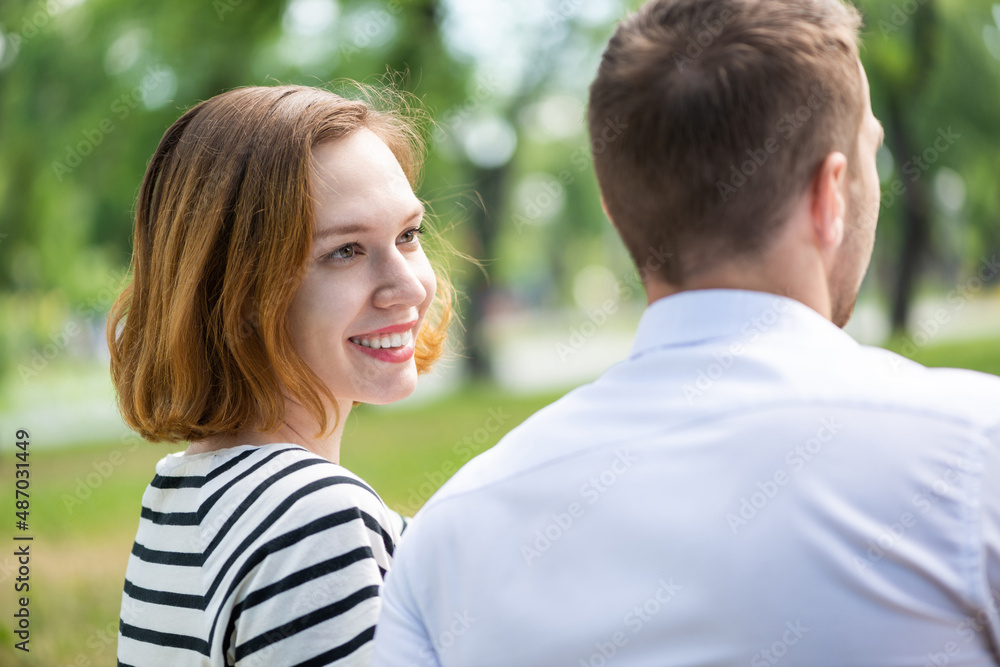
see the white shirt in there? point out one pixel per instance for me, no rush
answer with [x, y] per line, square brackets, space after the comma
[750, 487]
[255, 556]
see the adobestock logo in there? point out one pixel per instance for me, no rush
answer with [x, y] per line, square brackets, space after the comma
[786, 128]
[635, 620]
[918, 165]
[471, 444]
[561, 522]
[696, 44]
[796, 459]
[750, 332]
[773, 654]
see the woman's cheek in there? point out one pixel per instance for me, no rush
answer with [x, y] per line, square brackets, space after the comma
[429, 281]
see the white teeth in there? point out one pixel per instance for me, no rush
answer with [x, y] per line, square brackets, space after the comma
[385, 341]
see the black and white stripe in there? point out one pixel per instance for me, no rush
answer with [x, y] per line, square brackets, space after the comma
[255, 556]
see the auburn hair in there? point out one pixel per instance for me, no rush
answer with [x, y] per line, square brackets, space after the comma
[200, 344]
[709, 117]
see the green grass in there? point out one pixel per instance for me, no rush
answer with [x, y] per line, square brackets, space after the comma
[85, 501]
[403, 454]
[979, 355]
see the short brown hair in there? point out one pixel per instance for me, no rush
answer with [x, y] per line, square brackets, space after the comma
[708, 96]
[199, 341]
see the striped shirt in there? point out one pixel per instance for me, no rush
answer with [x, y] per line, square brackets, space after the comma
[251, 556]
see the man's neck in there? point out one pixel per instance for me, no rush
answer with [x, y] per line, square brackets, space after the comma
[806, 284]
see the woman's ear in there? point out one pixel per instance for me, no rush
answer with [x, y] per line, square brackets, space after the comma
[828, 207]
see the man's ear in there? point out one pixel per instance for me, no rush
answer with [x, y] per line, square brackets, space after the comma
[828, 206]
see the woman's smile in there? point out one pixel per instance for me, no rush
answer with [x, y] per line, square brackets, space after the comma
[393, 344]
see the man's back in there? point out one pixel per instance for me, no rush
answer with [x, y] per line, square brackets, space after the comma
[750, 486]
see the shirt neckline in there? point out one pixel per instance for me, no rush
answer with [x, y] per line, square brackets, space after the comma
[696, 316]
[176, 460]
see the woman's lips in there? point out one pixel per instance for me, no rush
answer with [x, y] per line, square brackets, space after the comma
[391, 329]
[393, 344]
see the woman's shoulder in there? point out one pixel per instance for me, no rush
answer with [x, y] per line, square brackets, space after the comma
[285, 483]
[269, 489]
[291, 471]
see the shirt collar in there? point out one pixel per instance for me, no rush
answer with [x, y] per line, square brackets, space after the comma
[696, 316]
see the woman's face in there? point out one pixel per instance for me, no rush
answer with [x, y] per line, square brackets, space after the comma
[368, 283]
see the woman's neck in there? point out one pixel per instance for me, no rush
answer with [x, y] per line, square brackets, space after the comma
[298, 427]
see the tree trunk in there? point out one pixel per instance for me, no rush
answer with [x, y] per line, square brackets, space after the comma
[489, 184]
[915, 222]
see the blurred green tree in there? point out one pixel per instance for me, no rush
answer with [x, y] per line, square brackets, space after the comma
[935, 85]
[88, 86]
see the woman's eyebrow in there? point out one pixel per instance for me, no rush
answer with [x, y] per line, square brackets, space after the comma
[341, 230]
[417, 212]
[350, 228]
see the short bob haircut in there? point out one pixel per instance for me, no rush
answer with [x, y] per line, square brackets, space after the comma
[199, 341]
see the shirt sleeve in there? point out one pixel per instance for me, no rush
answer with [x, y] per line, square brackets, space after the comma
[312, 596]
[987, 620]
[401, 639]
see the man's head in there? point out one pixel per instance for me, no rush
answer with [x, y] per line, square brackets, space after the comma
[734, 117]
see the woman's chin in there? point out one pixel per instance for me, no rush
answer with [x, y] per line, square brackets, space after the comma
[397, 392]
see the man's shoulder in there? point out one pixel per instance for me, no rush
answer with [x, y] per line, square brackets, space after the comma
[952, 393]
[623, 404]
[554, 433]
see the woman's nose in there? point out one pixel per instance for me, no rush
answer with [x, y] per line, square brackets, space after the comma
[399, 280]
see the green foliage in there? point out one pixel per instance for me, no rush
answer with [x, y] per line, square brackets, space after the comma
[87, 88]
[931, 68]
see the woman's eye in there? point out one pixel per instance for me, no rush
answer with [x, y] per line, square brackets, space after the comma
[344, 253]
[412, 235]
